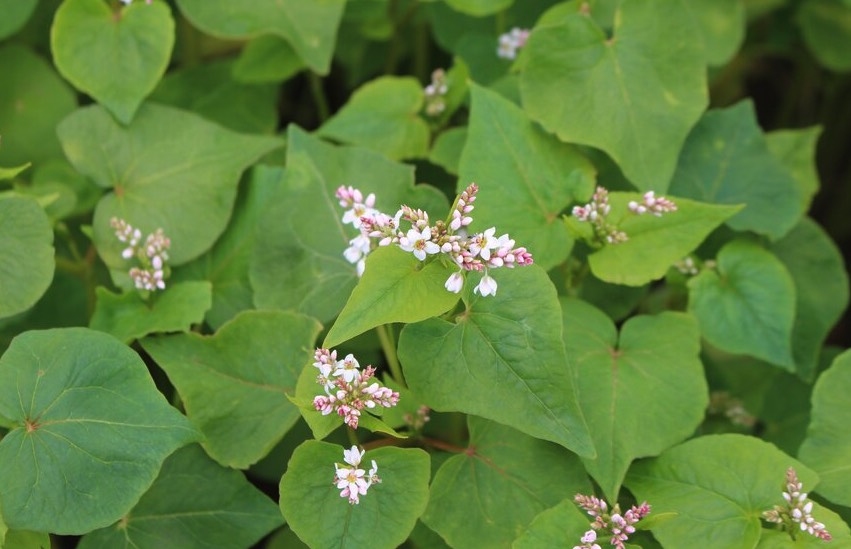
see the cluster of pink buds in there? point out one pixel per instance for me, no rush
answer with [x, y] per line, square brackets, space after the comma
[512, 41]
[618, 525]
[449, 239]
[418, 421]
[350, 479]
[723, 403]
[597, 213]
[796, 514]
[152, 255]
[128, 2]
[348, 389]
[435, 93]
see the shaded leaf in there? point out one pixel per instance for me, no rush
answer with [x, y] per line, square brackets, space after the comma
[826, 26]
[555, 527]
[15, 15]
[722, 27]
[479, 8]
[267, 58]
[796, 149]
[26, 245]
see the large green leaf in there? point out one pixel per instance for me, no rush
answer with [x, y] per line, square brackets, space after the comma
[194, 502]
[796, 149]
[828, 443]
[502, 359]
[821, 289]
[628, 385]
[26, 246]
[267, 58]
[385, 516]
[748, 305]
[169, 169]
[655, 243]
[479, 8]
[237, 393]
[90, 430]
[383, 115]
[488, 492]
[634, 95]
[718, 486]
[726, 160]
[526, 177]
[309, 27]
[396, 287]
[722, 27]
[117, 57]
[826, 26]
[299, 263]
[15, 15]
[33, 99]
[556, 527]
[127, 316]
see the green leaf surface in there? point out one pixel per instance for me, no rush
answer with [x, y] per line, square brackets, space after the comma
[655, 243]
[558, 526]
[722, 27]
[91, 430]
[796, 150]
[447, 149]
[834, 523]
[607, 92]
[26, 245]
[117, 57]
[383, 115]
[479, 8]
[309, 27]
[748, 305]
[525, 176]
[78, 195]
[235, 384]
[828, 443]
[826, 27]
[169, 169]
[718, 485]
[726, 160]
[15, 15]
[267, 58]
[194, 502]
[821, 290]
[11, 173]
[502, 359]
[486, 494]
[307, 388]
[128, 316]
[384, 517]
[33, 99]
[299, 263]
[629, 383]
[396, 287]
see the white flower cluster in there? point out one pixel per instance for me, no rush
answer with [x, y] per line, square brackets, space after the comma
[435, 93]
[512, 41]
[152, 255]
[620, 527]
[350, 479]
[652, 204]
[796, 515]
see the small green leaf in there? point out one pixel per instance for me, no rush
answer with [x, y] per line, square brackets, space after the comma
[796, 150]
[726, 161]
[828, 443]
[91, 430]
[487, 493]
[15, 15]
[447, 149]
[718, 485]
[194, 502]
[169, 169]
[826, 26]
[307, 388]
[26, 246]
[11, 173]
[117, 57]
[396, 287]
[748, 305]
[128, 316]
[309, 27]
[608, 92]
[525, 176]
[501, 359]
[558, 526]
[722, 27]
[655, 243]
[479, 8]
[383, 115]
[235, 392]
[267, 58]
[628, 385]
[384, 517]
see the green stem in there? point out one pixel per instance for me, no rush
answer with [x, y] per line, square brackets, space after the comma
[318, 94]
[353, 437]
[388, 345]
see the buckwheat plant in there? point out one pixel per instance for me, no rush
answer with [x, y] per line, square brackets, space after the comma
[348, 389]
[435, 93]
[597, 213]
[796, 515]
[511, 42]
[350, 479]
[152, 255]
[614, 524]
[447, 240]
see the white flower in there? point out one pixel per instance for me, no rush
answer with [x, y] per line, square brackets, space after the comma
[482, 244]
[455, 282]
[353, 456]
[486, 286]
[348, 368]
[419, 243]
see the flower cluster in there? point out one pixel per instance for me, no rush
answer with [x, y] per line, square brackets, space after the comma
[128, 2]
[418, 421]
[796, 514]
[597, 213]
[619, 526]
[152, 255]
[435, 93]
[723, 403]
[512, 41]
[348, 389]
[448, 239]
[350, 479]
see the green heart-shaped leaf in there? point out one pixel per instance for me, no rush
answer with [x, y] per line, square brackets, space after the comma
[826, 27]
[556, 527]
[15, 15]
[26, 246]
[90, 430]
[796, 150]
[117, 57]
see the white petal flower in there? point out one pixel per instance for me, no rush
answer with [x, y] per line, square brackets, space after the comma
[455, 282]
[353, 456]
[348, 368]
[486, 286]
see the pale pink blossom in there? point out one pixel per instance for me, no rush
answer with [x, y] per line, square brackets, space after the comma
[486, 286]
